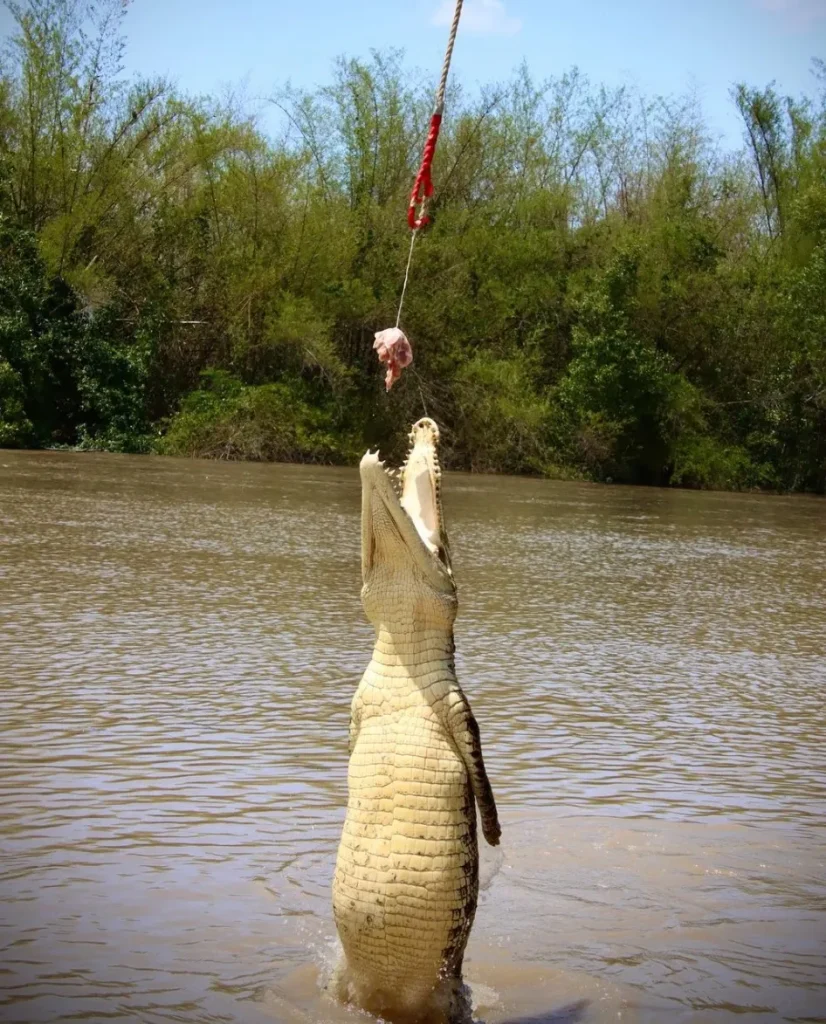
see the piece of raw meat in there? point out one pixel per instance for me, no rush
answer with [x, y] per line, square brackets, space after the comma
[393, 348]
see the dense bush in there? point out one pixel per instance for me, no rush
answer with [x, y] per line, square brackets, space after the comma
[66, 376]
[15, 426]
[224, 419]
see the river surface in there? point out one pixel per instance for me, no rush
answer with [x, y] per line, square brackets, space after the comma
[179, 644]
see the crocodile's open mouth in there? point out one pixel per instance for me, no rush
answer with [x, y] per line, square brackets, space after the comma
[410, 495]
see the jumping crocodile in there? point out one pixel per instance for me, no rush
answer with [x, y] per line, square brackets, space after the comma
[407, 873]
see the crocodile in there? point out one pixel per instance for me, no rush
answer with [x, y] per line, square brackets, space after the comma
[407, 872]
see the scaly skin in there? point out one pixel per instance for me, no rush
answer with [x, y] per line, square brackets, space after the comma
[406, 879]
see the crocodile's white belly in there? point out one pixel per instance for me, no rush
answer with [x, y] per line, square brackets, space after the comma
[406, 877]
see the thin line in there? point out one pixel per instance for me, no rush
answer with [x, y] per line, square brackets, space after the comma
[406, 275]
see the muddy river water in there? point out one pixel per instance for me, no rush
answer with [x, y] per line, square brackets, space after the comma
[179, 643]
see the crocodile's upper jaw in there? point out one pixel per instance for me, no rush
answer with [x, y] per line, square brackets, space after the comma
[409, 498]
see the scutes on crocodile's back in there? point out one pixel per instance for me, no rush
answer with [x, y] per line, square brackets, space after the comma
[406, 878]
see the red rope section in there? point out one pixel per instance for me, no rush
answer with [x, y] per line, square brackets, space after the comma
[423, 187]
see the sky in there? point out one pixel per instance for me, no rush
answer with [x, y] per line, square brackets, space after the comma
[664, 47]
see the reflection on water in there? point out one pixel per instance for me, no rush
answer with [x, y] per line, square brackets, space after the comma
[179, 643]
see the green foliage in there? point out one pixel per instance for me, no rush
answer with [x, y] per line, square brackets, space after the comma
[798, 434]
[503, 421]
[602, 292]
[225, 419]
[620, 406]
[67, 376]
[702, 461]
[15, 426]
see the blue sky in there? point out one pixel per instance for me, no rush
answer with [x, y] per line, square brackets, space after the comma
[662, 46]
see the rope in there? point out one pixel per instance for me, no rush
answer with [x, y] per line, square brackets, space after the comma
[440, 95]
[423, 187]
[406, 275]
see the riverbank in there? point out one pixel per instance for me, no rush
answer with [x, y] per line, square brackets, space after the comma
[551, 473]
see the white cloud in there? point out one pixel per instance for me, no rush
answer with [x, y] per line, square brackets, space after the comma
[484, 17]
[797, 14]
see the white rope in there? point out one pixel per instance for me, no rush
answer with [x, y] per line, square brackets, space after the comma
[406, 275]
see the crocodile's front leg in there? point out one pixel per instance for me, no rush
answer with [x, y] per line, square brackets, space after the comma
[464, 731]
